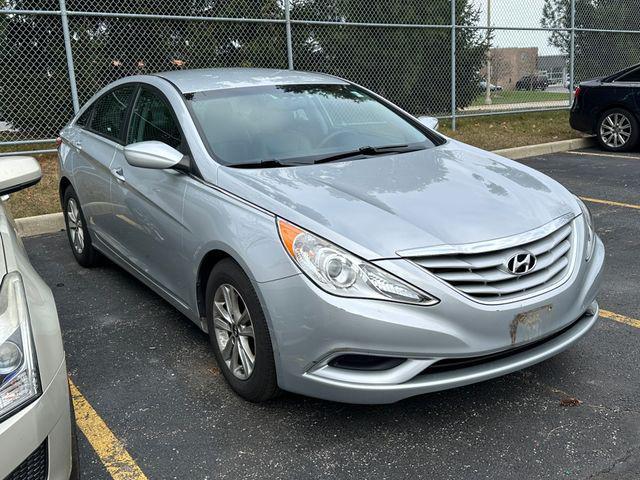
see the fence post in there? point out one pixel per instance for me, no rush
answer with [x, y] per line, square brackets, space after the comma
[287, 19]
[67, 48]
[453, 65]
[572, 50]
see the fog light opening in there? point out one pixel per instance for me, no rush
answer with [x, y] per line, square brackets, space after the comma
[371, 363]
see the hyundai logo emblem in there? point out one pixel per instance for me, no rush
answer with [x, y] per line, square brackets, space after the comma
[521, 263]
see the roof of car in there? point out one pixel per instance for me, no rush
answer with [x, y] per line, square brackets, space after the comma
[190, 81]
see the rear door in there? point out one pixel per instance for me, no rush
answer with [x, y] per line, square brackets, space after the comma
[95, 142]
[148, 203]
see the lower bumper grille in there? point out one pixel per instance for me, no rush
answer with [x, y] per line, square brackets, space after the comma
[35, 466]
[449, 364]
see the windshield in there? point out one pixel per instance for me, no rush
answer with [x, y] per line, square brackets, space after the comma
[299, 123]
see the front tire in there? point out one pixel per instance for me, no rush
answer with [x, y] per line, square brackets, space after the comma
[77, 232]
[617, 130]
[239, 333]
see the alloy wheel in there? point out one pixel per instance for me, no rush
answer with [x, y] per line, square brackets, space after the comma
[76, 230]
[615, 130]
[234, 331]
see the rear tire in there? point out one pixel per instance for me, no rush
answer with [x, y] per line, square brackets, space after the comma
[617, 130]
[77, 233]
[239, 334]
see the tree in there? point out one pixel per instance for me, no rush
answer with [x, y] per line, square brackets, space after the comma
[35, 95]
[596, 53]
[410, 66]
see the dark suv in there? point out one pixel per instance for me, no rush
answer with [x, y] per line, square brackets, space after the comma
[532, 82]
[609, 108]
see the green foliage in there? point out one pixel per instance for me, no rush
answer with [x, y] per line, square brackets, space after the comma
[596, 53]
[409, 65]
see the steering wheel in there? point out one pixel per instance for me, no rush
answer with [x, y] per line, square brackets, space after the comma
[332, 136]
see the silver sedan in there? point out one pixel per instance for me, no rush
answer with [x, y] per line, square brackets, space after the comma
[329, 243]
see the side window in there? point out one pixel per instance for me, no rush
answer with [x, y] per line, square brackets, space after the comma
[630, 77]
[152, 119]
[83, 121]
[110, 111]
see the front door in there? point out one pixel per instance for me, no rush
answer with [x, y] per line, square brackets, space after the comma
[148, 203]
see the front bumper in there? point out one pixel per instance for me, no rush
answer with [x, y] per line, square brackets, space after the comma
[310, 327]
[47, 419]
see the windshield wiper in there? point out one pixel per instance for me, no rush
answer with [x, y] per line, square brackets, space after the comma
[267, 163]
[370, 151]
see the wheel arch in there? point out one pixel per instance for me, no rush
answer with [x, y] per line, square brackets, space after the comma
[602, 110]
[215, 254]
[62, 187]
[206, 265]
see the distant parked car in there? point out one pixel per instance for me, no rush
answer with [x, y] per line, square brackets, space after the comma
[37, 424]
[533, 82]
[609, 107]
[494, 88]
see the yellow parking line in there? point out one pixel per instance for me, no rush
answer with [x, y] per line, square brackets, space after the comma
[620, 318]
[609, 202]
[110, 450]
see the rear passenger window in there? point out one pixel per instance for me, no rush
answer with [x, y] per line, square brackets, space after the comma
[630, 77]
[110, 110]
[152, 119]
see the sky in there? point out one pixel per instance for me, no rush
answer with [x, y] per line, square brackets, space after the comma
[517, 14]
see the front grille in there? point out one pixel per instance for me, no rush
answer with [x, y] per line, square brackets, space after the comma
[483, 276]
[34, 467]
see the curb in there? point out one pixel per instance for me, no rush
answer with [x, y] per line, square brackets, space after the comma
[40, 224]
[54, 222]
[545, 148]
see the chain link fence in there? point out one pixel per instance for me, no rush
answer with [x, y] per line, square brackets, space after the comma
[448, 58]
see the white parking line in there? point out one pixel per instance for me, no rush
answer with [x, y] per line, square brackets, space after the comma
[612, 155]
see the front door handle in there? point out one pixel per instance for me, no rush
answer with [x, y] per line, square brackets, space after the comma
[118, 173]
[77, 144]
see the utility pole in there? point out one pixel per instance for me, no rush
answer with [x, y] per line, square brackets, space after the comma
[487, 95]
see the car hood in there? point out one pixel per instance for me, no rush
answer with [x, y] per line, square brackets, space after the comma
[447, 195]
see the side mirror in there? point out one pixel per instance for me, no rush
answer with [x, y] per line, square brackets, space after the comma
[152, 154]
[429, 122]
[17, 173]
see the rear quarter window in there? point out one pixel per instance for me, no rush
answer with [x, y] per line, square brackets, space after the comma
[109, 112]
[84, 119]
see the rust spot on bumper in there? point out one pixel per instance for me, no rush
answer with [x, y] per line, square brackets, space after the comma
[528, 323]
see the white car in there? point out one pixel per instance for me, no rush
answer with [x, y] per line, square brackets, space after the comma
[36, 423]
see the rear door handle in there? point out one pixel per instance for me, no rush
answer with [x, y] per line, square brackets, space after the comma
[77, 144]
[118, 173]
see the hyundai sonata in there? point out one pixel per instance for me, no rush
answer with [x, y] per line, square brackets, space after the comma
[329, 243]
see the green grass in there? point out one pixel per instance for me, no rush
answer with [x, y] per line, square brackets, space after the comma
[516, 96]
[43, 197]
[494, 132]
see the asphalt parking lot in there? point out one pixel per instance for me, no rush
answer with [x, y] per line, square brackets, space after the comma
[150, 375]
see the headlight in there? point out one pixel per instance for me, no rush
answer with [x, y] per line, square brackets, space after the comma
[18, 371]
[338, 272]
[590, 231]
